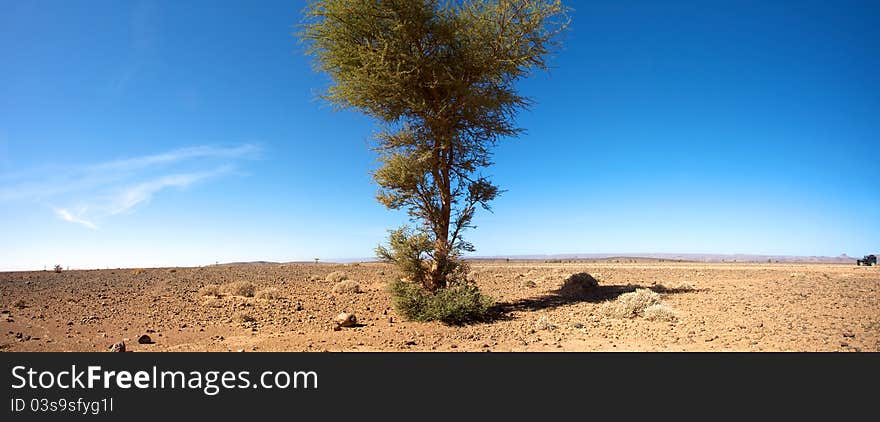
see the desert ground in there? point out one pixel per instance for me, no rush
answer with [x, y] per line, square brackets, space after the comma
[707, 307]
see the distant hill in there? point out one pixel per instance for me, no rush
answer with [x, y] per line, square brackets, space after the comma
[690, 257]
[687, 257]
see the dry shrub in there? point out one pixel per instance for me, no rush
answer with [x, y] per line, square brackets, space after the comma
[529, 284]
[347, 286]
[210, 290]
[137, 271]
[269, 293]
[20, 304]
[631, 305]
[336, 277]
[544, 324]
[578, 285]
[243, 317]
[659, 312]
[214, 302]
[240, 288]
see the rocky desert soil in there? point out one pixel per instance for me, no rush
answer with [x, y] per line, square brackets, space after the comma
[714, 307]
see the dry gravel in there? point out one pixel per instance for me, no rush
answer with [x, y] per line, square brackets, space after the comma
[715, 307]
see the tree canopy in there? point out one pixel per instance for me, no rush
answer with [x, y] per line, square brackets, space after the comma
[441, 78]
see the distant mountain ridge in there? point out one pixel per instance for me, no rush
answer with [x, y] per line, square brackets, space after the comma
[691, 257]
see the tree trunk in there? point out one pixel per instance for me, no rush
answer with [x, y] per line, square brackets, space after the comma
[440, 267]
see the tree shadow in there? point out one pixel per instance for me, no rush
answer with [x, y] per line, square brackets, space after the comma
[557, 298]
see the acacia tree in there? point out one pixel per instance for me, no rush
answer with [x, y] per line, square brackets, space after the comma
[440, 77]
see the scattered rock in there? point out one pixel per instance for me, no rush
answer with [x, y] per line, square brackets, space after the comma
[346, 320]
[118, 347]
[145, 339]
[347, 286]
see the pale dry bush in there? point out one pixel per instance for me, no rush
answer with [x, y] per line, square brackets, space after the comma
[336, 277]
[210, 290]
[529, 284]
[214, 302]
[544, 324]
[240, 288]
[347, 286]
[269, 293]
[630, 305]
[659, 312]
[243, 317]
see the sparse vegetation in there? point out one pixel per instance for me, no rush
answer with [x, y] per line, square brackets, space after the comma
[243, 318]
[58, 268]
[578, 285]
[20, 304]
[658, 312]
[336, 277]
[453, 305]
[240, 288]
[210, 290]
[630, 305]
[269, 293]
[347, 286]
[544, 324]
[137, 271]
[214, 302]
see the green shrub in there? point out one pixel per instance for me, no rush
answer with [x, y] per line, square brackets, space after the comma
[453, 305]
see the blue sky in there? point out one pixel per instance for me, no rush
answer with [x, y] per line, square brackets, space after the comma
[152, 133]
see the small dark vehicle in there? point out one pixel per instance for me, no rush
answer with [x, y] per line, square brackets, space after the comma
[867, 261]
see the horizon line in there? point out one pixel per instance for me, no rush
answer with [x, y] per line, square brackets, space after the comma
[685, 256]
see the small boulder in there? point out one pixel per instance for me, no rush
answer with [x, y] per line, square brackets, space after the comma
[145, 339]
[118, 347]
[346, 320]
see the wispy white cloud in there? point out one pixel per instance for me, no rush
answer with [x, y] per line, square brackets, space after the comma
[131, 196]
[66, 215]
[115, 187]
[174, 156]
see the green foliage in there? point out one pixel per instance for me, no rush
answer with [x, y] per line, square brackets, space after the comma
[440, 76]
[455, 305]
[407, 250]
